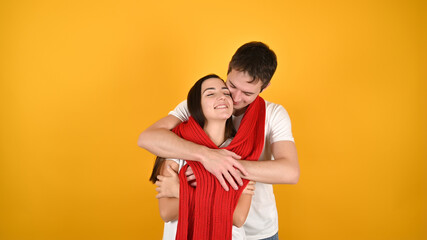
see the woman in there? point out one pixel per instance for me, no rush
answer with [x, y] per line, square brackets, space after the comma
[211, 107]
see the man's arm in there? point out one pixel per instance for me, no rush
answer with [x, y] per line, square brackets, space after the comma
[283, 170]
[159, 140]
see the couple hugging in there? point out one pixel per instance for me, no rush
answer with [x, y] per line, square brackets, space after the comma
[202, 154]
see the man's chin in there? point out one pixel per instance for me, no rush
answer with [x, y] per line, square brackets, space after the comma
[238, 110]
[237, 107]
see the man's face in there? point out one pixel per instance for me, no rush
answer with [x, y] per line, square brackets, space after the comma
[243, 92]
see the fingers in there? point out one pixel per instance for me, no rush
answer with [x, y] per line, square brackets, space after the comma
[250, 188]
[158, 183]
[236, 176]
[231, 181]
[171, 171]
[191, 178]
[240, 167]
[222, 182]
[189, 171]
[159, 195]
[250, 192]
[250, 185]
[235, 156]
[232, 154]
[236, 164]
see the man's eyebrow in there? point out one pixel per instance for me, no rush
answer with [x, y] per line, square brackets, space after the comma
[242, 91]
[211, 88]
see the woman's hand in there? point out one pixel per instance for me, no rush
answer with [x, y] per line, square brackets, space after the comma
[250, 188]
[168, 186]
[191, 178]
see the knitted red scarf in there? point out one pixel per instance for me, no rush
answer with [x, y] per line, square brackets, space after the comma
[206, 211]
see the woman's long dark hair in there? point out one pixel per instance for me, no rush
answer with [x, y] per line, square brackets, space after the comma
[194, 104]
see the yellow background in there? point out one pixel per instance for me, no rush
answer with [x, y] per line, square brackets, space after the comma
[81, 79]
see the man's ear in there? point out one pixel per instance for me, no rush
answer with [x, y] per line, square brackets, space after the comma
[265, 87]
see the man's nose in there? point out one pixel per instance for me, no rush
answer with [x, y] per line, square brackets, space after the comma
[237, 96]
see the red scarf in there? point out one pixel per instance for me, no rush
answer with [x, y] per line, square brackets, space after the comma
[206, 211]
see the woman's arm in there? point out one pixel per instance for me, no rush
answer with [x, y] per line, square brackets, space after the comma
[168, 189]
[243, 205]
[168, 185]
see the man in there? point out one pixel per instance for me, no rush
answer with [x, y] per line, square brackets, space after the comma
[250, 71]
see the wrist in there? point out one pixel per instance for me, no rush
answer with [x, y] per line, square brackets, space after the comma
[246, 165]
[201, 154]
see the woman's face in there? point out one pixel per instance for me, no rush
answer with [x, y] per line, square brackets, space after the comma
[216, 100]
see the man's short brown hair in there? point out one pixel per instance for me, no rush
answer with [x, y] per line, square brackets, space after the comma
[257, 59]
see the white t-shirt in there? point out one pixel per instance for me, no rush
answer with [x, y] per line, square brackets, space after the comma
[262, 221]
[169, 230]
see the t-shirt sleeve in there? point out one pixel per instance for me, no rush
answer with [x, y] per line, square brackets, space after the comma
[173, 159]
[280, 124]
[180, 162]
[181, 111]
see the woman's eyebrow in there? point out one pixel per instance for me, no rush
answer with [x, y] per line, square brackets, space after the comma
[211, 88]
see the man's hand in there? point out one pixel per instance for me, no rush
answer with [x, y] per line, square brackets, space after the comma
[168, 186]
[222, 164]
